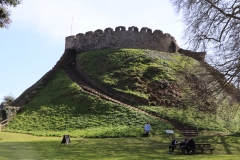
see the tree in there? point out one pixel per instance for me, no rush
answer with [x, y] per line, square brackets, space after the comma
[5, 13]
[214, 25]
[8, 99]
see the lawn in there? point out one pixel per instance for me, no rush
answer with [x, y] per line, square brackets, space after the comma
[23, 146]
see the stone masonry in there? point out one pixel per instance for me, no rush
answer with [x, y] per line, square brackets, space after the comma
[122, 38]
[131, 38]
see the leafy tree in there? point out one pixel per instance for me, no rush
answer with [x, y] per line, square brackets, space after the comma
[5, 13]
[214, 25]
[8, 99]
[229, 113]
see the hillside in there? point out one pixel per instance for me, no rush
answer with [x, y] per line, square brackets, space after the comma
[63, 106]
[169, 84]
[153, 76]
[143, 85]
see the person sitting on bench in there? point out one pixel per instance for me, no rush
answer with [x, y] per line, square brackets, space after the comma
[172, 145]
[185, 145]
[191, 144]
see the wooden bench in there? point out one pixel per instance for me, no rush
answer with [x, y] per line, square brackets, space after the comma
[202, 150]
[199, 147]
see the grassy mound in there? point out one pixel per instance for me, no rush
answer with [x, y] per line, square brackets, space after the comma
[176, 86]
[135, 71]
[63, 106]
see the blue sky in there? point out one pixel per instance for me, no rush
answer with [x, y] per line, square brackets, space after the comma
[35, 40]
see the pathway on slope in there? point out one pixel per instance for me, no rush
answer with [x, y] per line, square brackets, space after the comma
[187, 131]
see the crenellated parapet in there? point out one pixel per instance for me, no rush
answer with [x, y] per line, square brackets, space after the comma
[131, 38]
[122, 38]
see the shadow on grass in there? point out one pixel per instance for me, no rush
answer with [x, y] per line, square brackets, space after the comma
[227, 144]
[108, 148]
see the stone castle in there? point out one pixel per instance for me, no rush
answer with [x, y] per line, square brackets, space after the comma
[109, 39]
[131, 38]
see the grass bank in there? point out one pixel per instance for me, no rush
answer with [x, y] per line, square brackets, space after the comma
[62, 105]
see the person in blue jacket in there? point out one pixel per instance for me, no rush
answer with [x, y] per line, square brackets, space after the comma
[147, 129]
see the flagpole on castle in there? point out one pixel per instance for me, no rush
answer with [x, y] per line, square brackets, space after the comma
[71, 25]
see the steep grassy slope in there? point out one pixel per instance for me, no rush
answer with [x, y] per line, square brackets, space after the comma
[144, 73]
[63, 106]
[161, 78]
[175, 86]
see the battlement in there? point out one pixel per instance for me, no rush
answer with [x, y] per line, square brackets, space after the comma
[122, 38]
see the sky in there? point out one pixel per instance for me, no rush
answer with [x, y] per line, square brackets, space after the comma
[35, 40]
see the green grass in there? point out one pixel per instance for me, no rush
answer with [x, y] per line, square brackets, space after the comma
[130, 70]
[171, 83]
[176, 87]
[200, 120]
[190, 116]
[62, 105]
[21, 146]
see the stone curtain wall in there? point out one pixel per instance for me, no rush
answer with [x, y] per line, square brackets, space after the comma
[200, 56]
[122, 38]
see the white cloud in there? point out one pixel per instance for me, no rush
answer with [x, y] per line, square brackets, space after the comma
[54, 18]
[50, 20]
[50, 17]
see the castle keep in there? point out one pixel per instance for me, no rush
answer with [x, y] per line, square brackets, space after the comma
[131, 38]
[108, 39]
[122, 38]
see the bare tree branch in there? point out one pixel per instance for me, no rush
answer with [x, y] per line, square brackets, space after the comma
[214, 26]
